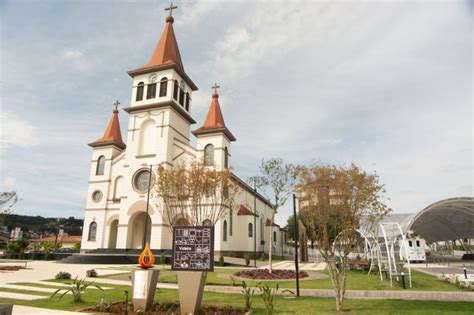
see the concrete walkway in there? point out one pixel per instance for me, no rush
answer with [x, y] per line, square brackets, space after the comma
[26, 310]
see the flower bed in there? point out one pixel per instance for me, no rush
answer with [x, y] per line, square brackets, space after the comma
[164, 308]
[11, 268]
[264, 274]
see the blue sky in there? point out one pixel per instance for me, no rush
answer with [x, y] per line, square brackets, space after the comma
[386, 85]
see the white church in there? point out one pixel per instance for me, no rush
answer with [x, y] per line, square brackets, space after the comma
[159, 133]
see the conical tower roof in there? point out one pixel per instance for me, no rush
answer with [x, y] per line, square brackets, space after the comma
[166, 55]
[166, 51]
[214, 122]
[112, 135]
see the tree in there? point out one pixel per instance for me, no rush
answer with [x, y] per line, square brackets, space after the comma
[7, 200]
[336, 202]
[278, 177]
[47, 247]
[195, 193]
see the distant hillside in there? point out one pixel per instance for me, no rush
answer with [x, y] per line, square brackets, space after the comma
[39, 224]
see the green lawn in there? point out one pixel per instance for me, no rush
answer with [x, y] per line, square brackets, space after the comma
[303, 305]
[356, 280]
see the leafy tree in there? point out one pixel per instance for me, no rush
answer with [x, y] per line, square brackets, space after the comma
[48, 247]
[279, 177]
[336, 202]
[14, 247]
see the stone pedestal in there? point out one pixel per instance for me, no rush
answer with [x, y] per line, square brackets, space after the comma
[191, 287]
[144, 288]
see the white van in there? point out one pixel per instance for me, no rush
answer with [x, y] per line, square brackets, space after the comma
[416, 250]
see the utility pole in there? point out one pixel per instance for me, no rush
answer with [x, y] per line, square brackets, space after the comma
[296, 247]
[147, 202]
[255, 223]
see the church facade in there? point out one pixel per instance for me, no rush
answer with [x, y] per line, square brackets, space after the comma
[159, 133]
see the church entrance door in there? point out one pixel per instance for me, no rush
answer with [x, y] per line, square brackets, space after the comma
[137, 226]
[113, 234]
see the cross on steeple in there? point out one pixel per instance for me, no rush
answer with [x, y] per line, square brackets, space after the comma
[215, 87]
[171, 8]
[117, 103]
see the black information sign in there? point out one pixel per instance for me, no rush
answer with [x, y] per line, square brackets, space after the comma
[193, 248]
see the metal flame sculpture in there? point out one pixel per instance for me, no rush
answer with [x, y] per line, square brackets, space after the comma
[146, 259]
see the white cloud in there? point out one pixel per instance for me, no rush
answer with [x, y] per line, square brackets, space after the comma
[9, 184]
[17, 131]
[72, 54]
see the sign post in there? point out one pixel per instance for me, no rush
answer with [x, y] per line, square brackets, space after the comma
[144, 282]
[192, 258]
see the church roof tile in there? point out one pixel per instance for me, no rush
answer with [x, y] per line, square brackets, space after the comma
[112, 135]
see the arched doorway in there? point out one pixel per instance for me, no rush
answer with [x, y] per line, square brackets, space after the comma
[113, 234]
[136, 228]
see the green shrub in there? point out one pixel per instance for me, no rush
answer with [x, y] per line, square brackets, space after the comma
[248, 293]
[221, 260]
[77, 287]
[63, 275]
[263, 257]
[247, 259]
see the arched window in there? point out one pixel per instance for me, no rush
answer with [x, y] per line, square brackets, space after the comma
[140, 89]
[250, 230]
[151, 91]
[187, 102]
[224, 232]
[209, 155]
[181, 94]
[231, 223]
[175, 90]
[207, 222]
[118, 188]
[92, 232]
[226, 157]
[147, 140]
[163, 86]
[274, 236]
[100, 165]
[262, 234]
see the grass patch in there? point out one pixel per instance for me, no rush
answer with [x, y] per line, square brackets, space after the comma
[356, 280]
[31, 292]
[302, 305]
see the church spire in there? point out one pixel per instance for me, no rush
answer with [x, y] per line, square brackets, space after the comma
[166, 51]
[112, 135]
[214, 122]
[166, 54]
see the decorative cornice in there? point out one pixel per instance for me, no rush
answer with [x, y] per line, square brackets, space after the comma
[171, 104]
[165, 66]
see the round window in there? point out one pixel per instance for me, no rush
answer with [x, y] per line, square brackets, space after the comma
[142, 180]
[97, 196]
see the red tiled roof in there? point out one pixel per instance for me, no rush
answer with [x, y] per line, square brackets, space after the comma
[166, 51]
[269, 222]
[214, 120]
[245, 211]
[112, 134]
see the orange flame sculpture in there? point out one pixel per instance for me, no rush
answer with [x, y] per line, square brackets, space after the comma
[146, 259]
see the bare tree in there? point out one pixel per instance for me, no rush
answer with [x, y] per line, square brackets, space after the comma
[337, 201]
[7, 200]
[278, 177]
[194, 192]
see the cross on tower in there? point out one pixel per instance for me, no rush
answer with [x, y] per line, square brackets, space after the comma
[215, 87]
[171, 8]
[117, 103]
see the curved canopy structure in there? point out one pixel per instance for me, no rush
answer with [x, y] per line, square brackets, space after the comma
[449, 219]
